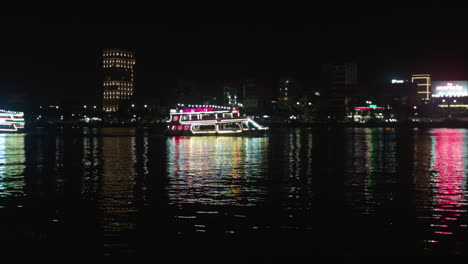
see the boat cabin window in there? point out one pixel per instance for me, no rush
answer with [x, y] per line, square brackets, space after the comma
[229, 126]
[204, 128]
[245, 125]
[185, 117]
[208, 117]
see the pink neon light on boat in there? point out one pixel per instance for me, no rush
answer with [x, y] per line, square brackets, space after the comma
[368, 108]
[198, 110]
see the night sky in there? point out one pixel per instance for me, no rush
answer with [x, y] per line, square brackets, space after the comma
[57, 60]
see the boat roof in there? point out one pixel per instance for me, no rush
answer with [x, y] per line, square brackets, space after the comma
[189, 109]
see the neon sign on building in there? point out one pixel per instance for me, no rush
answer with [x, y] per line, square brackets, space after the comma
[449, 88]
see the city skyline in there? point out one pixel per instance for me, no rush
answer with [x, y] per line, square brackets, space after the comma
[49, 59]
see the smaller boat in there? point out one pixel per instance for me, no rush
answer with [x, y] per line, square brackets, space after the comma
[11, 121]
[211, 120]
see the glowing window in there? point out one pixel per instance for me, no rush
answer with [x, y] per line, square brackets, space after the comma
[180, 127]
[173, 127]
[186, 127]
[175, 118]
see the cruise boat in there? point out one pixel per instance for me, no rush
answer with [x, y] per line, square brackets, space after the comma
[211, 120]
[11, 121]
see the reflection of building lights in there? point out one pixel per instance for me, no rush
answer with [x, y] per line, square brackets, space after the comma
[449, 180]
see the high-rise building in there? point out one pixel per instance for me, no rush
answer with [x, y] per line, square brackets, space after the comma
[230, 95]
[288, 90]
[340, 88]
[423, 82]
[118, 84]
[342, 74]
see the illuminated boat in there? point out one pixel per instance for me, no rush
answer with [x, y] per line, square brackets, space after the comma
[212, 120]
[11, 121]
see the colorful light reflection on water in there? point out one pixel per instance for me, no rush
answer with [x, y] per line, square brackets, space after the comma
[12, 165]
[216, 170]
[355, 191]
[448, 166]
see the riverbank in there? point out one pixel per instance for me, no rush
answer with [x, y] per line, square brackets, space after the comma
[409, 124]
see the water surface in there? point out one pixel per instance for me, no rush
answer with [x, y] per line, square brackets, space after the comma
[124, 191]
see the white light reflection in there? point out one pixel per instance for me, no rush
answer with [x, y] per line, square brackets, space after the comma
[118, 192]
[12, 165]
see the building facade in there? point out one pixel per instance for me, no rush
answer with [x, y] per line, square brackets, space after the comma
[342, 73]
[340, 89]
[230, 95]
[118, 83]
[289, 90]
[423, 82]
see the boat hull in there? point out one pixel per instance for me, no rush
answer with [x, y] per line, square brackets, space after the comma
[245, 133]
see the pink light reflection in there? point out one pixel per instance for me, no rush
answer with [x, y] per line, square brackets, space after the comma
[449, 179]
[449, 164]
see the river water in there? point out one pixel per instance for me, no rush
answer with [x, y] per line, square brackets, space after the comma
[337, 191]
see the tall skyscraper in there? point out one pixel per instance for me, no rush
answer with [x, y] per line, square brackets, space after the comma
[288, 90]
[118, 84]
[424, 85]
[230, 95]
[342, 74]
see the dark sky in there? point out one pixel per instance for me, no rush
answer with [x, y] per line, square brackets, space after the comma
[53, 60]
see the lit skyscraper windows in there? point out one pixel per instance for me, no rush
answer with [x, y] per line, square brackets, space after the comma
[118, 66]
